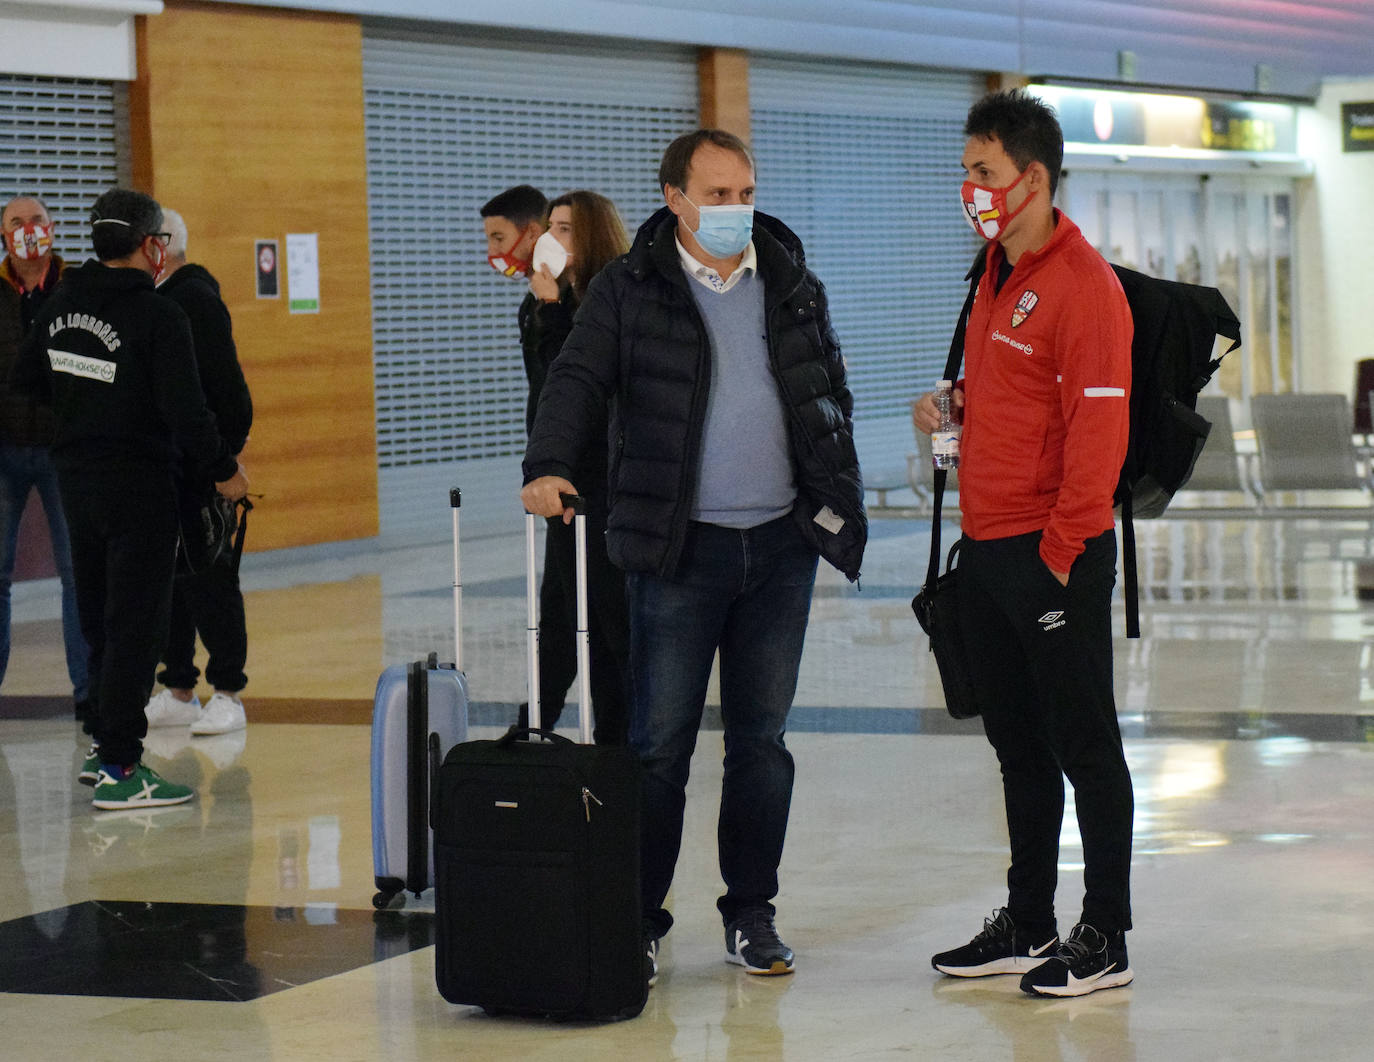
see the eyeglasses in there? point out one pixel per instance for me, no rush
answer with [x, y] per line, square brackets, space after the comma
[161, 237]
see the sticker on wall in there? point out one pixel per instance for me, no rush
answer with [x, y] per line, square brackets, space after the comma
[265, 265]
[303, 272]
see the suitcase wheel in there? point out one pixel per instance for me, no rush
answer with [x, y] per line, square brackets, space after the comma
[385, 899]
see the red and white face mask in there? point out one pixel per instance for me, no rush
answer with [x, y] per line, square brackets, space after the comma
[30, 241]
[986, 208]
[508, 265]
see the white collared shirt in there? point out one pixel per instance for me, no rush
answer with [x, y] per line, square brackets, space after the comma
[708, 277]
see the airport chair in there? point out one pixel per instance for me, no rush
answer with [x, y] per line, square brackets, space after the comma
[1218, 466]
[1305, 444]
[882, 444]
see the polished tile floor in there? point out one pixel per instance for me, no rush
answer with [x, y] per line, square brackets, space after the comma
[240, 926]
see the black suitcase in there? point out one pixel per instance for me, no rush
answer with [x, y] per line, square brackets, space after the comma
[536, 861]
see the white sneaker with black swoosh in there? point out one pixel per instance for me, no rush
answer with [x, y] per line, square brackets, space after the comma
[1001, 948]
[1085, 962]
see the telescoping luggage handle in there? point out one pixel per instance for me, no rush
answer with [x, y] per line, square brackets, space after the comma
[455, 500]
[584, 689]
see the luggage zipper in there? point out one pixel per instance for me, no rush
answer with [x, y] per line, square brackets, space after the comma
[587, 797]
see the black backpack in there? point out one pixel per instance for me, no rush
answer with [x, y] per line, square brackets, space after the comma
[1176, 327]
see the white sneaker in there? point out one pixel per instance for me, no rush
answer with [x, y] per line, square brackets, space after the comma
[223, 713]
[165, 710]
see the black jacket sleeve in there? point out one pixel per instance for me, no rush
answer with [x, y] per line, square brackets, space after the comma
[221, 376]
[181, 401]
[581, 382]
[544, 326]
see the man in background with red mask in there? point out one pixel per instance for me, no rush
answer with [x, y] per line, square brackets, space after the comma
[1045, 423]
[29, 273]
[115, 361]
[513, 222]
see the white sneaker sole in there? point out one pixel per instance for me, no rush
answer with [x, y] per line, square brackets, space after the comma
[203, 727]
[151, 802]
[1083, 988]
[1017, 964]
[778, 968]
[211, 731]
[159, 720]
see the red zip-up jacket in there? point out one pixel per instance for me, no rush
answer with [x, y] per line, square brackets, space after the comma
[1046, 398]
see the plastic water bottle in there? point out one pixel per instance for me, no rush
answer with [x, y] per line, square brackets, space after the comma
[944, 441]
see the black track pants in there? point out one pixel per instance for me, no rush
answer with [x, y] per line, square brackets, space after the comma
[1042, 662]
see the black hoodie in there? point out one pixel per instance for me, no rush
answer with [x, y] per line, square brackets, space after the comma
[226, 392]
[115, 361]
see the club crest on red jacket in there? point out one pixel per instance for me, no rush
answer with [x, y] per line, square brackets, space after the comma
[1024, 306]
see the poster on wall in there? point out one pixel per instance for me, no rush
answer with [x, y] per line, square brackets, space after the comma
[303, 272]
[1357, 126]
[265, 266]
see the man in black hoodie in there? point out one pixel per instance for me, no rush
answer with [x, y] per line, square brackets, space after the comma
[115, 361]
[209, 601]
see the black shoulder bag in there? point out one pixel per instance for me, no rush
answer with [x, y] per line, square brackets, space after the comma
[935, 606]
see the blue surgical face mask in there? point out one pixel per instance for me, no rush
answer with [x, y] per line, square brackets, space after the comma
[724, 231]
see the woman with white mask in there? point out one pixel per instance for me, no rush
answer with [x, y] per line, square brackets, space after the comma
[585, 232]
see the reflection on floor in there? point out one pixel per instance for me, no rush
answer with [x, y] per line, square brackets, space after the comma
[240, 926]
[194, 950]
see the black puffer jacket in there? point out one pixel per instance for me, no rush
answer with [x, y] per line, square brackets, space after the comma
[640, 345]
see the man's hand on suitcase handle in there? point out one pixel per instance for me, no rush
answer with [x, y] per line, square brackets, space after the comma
[545, 497]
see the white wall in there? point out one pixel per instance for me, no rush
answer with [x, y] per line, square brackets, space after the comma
[1335, 244]
[72, 38]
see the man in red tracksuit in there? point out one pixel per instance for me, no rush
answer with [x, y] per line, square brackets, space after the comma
[1045, 423]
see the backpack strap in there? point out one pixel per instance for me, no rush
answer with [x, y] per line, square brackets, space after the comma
[956, 357]
[1130, 578]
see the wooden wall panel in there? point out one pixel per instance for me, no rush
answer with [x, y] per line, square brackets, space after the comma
[723, 76]
[249, 121]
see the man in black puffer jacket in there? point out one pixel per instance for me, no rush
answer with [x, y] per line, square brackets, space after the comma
[732, 469]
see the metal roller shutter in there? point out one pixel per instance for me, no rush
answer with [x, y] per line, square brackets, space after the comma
[862, 161]
[60, 139]
[449, 124]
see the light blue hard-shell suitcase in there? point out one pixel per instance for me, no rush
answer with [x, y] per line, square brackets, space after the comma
[412, 702]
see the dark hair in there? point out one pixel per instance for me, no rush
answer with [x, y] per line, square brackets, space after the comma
[519, 205]
[121, 220]
[598, 235]
[677, 159]
[1027, 128]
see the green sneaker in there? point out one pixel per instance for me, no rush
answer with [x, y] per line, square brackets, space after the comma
[144, 788]
[90, 767]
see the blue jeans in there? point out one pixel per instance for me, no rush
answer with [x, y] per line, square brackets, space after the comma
[21, 469]
[748, 595]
